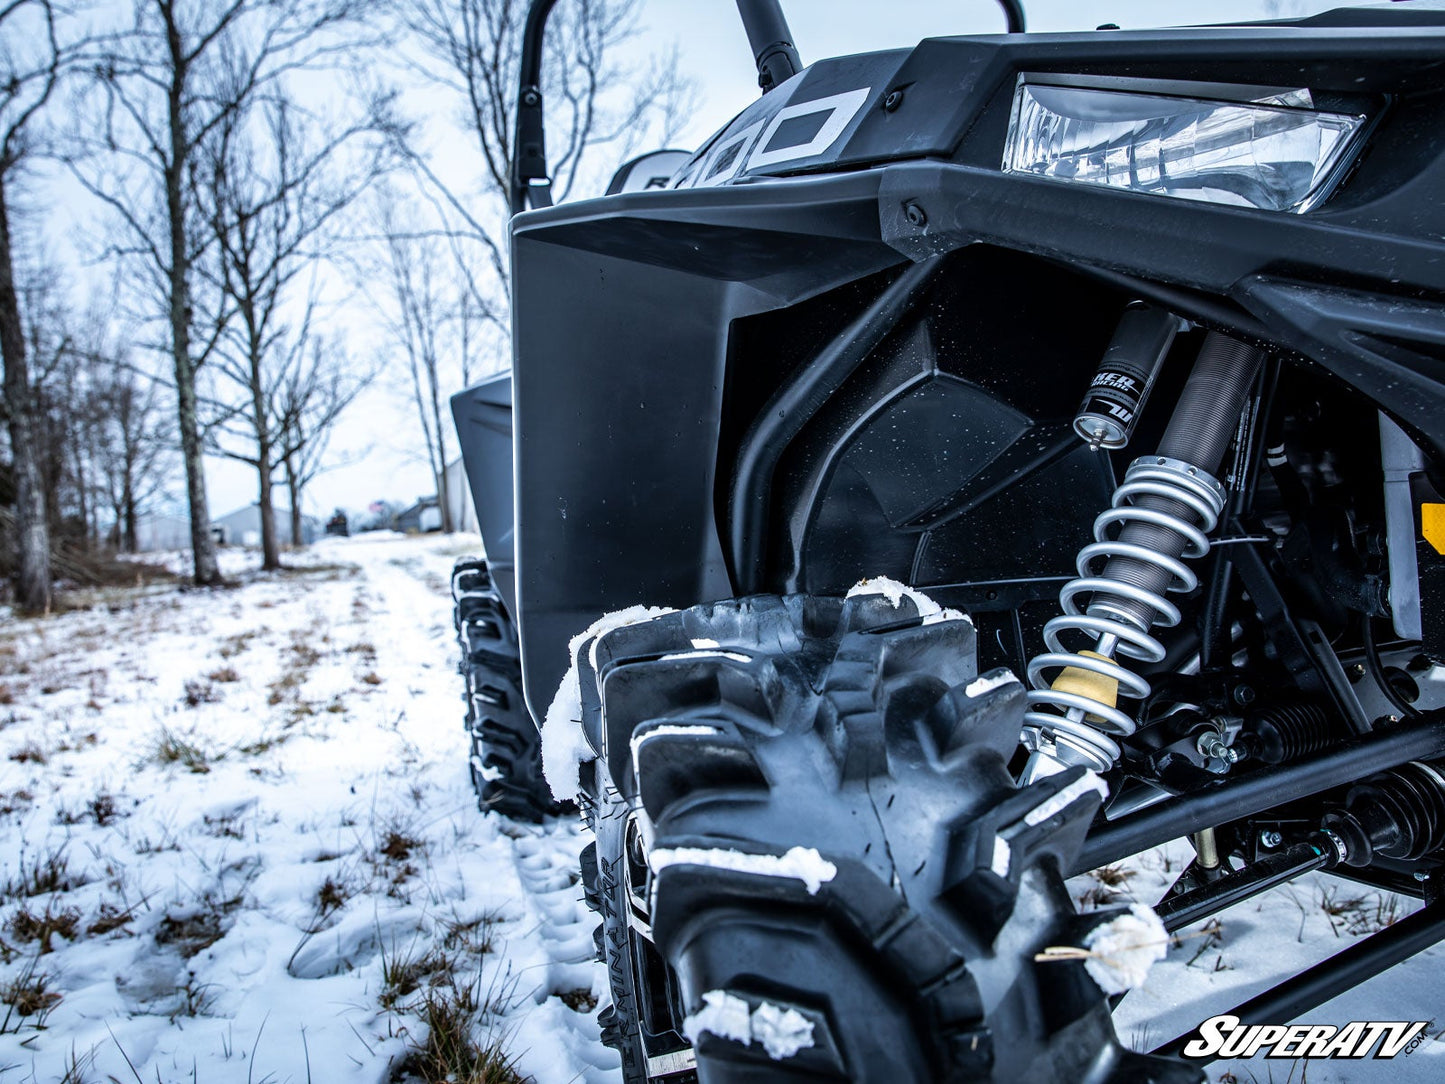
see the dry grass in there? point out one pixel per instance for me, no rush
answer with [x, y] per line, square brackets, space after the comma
[200, 691]
[27, 996]
[91, 568]
[226, 675]
[171, 748]
[77, 1067]
[397, 845]
[451, 1012]
[72, 742]
[232, 646]
[228, 825]
[1359, 915]
[1097, 896]
[262, 745]
[1113, 876]
[1112, 886]
[30, 753]
[451, 1056]
[27, 926]
[1207, 937]
[196, 998]
[102, 809]
[403, 972]
[197, 928]
[47, 872]
[472, 936]
[331, 897]
[109, 919]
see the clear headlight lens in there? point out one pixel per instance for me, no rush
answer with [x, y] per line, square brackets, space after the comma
[1269, 154]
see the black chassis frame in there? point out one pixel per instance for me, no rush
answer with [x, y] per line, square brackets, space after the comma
[626, 305]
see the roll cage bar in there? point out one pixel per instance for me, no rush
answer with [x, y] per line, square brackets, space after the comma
[773, 51]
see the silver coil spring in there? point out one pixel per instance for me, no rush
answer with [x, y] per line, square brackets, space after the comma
[1119, 614]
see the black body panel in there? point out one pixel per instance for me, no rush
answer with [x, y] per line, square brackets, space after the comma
[644, 352]
[483, 417]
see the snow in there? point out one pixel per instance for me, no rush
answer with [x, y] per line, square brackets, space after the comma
[238, 859]
[723, 1015]
[799, 863]
[1123, 949]
[1219, 963]
[896, 592]
[781, 1031]
[1002, 856]
[1088, 783]
[995, 679]
[191, 818]
[663, 730]
[564, 746]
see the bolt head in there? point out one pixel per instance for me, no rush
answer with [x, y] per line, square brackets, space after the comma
[893, 101]
[1270, 839]
[915, 215]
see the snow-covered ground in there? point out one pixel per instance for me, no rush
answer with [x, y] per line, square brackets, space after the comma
[238, 843]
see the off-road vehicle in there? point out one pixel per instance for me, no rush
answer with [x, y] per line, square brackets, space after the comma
[1029, 449]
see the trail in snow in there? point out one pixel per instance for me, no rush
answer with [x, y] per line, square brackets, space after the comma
[226, 818]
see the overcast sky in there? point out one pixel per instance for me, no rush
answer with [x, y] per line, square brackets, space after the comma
[384, 461]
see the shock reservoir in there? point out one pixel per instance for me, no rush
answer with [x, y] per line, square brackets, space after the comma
[1121, 386]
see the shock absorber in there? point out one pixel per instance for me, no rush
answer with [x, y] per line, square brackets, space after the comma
[1164, 510]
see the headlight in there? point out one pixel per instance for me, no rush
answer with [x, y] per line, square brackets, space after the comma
[1270, 154]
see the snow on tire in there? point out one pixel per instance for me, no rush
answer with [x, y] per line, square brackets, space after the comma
[811, 860]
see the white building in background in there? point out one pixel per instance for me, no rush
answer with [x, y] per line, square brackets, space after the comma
[159, 532]
[459, 497]
[243, 527]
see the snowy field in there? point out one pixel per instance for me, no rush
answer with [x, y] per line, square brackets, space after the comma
[237, 843]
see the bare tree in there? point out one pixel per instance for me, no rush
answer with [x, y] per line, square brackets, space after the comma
[168, 83]
[131, 443]
[273, 186]
[27, 80]
[422, 309]
[473, 48]
[310, 402]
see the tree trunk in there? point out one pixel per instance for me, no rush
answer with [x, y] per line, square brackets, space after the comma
[82, 492]
[293, 489]
[130, 539]
[203, 546]
[444, 505]
[270, 550]
[32, 541]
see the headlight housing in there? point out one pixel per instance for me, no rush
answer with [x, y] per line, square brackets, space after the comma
[1276, 153]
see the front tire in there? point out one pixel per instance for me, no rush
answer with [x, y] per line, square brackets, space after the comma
[812, 862]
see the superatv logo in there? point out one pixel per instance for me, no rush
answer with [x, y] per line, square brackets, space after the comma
[1226, 1037]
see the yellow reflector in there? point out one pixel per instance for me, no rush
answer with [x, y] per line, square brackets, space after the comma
[1432, 525]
